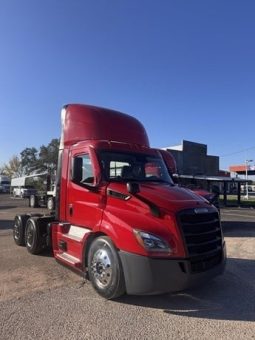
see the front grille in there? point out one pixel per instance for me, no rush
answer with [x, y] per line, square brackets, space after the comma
[203, 238]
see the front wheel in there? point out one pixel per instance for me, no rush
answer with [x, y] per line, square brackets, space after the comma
[105, 270]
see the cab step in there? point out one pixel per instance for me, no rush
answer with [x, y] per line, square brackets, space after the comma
[68, 259]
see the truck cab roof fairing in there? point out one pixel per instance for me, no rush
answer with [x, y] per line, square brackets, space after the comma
[84, 122]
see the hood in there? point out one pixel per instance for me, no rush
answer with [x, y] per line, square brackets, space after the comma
[171, 198]
[165, 196]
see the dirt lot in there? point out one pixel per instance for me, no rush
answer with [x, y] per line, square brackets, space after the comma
[21, 272]
[41, 299]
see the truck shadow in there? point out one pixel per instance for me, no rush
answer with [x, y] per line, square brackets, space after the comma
[238, 228]
[5, 207]
[6, 224]
[229, 297]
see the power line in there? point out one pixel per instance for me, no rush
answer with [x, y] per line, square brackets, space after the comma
[237, 152]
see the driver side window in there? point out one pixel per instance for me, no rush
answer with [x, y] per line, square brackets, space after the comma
[82, 171]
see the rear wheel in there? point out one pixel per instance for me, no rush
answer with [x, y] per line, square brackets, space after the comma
[105, 270]
[33, 238]
[19, 229]
[33, 201]
[51, 203]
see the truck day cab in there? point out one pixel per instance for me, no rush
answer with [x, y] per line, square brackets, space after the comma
[119, 218]
[4, 184]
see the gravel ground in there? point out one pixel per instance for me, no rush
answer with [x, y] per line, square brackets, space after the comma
[40, 299]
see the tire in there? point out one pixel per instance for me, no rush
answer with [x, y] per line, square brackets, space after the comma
[51, 203]
[19, 229]
[33, 201]
[105, 269]
[33, 238]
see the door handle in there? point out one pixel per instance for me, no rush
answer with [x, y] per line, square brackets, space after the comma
[70, 209]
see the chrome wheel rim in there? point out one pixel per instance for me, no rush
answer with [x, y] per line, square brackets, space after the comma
[101, 268]
[32, 201]
[30, 233]
[50, 204]
[16, 231]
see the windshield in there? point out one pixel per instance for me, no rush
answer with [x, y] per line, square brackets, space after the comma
[121, 167]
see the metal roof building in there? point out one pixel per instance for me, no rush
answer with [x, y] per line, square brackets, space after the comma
[196, 167]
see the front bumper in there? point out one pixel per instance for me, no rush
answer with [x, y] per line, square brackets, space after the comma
[145, 275]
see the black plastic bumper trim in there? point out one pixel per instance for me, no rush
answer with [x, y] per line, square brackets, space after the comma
[145, 275]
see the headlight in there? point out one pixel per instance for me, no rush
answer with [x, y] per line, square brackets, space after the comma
[151, 242]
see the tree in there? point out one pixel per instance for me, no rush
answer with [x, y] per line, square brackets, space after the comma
[48, 156]
[13, 168]
[29, 160]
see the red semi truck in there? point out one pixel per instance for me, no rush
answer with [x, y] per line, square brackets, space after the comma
[211, 197]
[119, 218]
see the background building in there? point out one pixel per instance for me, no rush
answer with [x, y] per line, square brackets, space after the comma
[192, 159]
[197, 169]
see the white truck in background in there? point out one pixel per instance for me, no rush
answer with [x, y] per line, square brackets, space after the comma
[37, 188]
[4, 184]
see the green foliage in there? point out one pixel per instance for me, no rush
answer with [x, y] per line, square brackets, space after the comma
[33, 161]
[48, 156]
[29, 160]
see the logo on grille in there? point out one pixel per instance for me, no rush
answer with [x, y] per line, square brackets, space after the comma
[201, 210]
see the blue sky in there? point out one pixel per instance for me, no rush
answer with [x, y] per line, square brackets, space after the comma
[186, 69]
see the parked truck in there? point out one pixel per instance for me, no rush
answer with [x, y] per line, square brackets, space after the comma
[4, 184]
[212, 197]
[38, 188]
[45, 191]
[22, 187]
[119, 218]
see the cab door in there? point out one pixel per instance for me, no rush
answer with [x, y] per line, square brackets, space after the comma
[84, 199]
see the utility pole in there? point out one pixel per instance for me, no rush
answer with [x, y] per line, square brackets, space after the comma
[246, 177]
